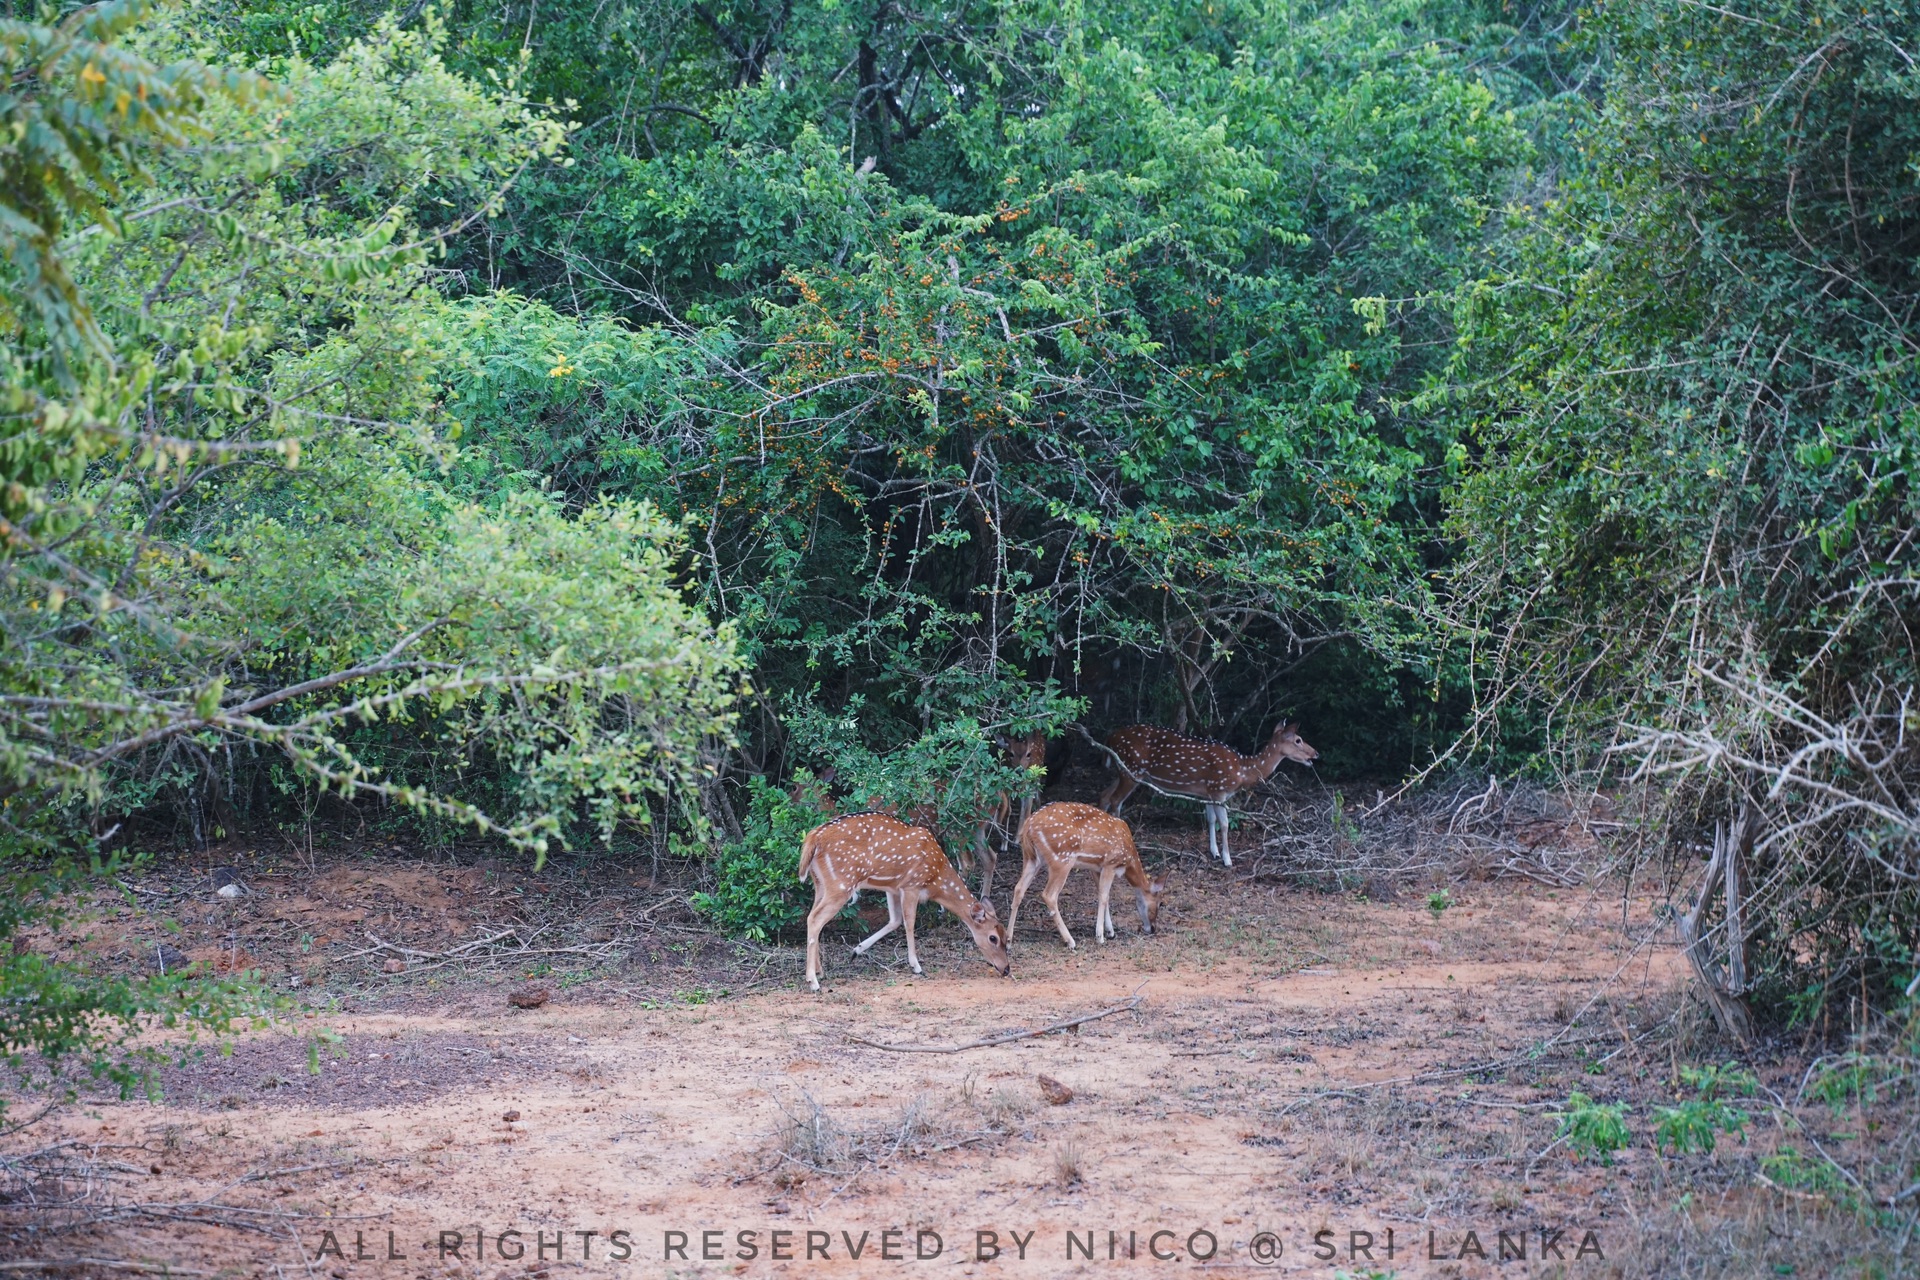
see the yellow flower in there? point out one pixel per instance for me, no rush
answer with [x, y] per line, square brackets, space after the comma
[560, 366]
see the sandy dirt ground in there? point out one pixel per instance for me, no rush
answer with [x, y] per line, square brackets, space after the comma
[1300, 1082]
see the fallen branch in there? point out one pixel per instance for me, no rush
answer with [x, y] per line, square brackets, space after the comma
[382, 945]
[1008, 1038]
[109, 1264]
[301, 1168]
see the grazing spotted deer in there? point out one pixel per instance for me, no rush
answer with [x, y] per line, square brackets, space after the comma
[904, 862]
[1065, 835]
[1209, 771]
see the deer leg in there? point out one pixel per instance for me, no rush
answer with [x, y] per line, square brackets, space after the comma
[893, 922]
[1055, 884]
[1027, 874]
[1226, 854]
[1117, 792]
[908, 910]
[826, 905]
[989, 861]
[1103, 915]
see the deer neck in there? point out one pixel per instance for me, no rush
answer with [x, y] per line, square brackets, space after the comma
[1255, 770]
[953, 895]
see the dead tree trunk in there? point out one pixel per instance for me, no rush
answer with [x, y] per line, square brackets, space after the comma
[1723, 984]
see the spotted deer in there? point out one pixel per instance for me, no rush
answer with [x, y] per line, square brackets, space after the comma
[905, 863]
[1063, 836]
[1209, 771]
[1024, 754]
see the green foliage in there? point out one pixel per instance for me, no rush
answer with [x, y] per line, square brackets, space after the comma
[1696, 1123]
[79, 111]
[230, 542]
[757, 889]
[527, 669]
[1860, 1079]
[1592, 1128]
[1438, 901]
[1727, 1081]
[1793, 1169]
[1070, 377]
[1690, 382]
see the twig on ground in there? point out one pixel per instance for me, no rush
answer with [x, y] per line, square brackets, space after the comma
[107, 1264]
[989, 1042]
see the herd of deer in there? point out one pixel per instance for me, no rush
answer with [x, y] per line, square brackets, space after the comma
[902, 860]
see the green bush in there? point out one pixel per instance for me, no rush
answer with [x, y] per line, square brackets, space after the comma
[1696, 1123]
[1593, 1128]
[757, 887]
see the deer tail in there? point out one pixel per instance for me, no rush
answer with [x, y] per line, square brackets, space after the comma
[1031, 841]
[806, 854]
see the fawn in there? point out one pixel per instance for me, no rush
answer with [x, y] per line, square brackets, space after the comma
[904, 862]
[1065, 835]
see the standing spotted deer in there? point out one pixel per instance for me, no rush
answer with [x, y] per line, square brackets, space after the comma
[877, 851]
[1209, 771]
[1065, 835]
[1025, 753]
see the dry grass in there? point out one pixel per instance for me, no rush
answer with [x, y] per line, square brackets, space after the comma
[1067, 1160]
[812, 1141]
[1472, 830]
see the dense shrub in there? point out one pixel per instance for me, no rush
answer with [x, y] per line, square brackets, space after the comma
[757, 887]
[1687, 519]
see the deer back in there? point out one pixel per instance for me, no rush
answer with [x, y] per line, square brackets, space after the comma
[874, 849]
[1174, 762]
[1068, 830]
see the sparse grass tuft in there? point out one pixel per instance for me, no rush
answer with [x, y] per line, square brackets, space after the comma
[810, 1140]
[1066, 1164]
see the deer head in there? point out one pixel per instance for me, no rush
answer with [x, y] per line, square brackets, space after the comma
[983, 922]
[1287, 744]
[1029, 752]
[1149, 903]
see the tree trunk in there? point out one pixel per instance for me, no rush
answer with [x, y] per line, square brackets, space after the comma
[1729, 1010]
